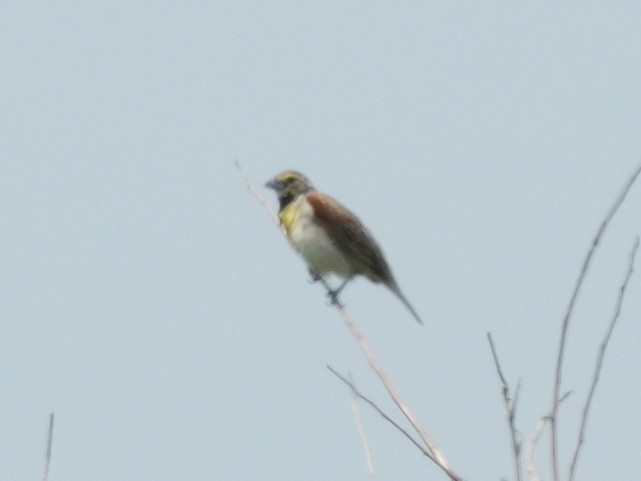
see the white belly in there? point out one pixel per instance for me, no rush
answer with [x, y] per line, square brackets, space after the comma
[314, 245]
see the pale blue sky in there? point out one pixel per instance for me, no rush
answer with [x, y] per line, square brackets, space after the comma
[148, 300]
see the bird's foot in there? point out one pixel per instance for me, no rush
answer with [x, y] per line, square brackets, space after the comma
[333, 297]
[333, 294]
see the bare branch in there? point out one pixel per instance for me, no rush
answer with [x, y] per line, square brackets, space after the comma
[568, 314]
[510, 410]
[45, 474]
[437, 456]
[256, 194]
[384, 415]
[528, 454]
[599, 362]
[358, 419]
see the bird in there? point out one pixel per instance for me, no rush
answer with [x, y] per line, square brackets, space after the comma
[329, 237]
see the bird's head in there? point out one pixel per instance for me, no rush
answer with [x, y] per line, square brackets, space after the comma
[289, 185]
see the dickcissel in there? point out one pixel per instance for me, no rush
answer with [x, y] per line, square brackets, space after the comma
[330, 238]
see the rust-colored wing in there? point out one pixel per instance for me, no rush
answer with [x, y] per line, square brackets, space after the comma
[351, 237]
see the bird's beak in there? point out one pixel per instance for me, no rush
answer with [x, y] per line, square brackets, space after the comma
[272, 184]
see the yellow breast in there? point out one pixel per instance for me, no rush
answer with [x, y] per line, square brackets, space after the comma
[288, 216]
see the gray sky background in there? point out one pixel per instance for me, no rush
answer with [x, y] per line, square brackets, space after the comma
[152, 305]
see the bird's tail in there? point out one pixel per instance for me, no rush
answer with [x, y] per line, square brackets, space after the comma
[396, 290]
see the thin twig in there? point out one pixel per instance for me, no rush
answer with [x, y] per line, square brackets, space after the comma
[360, 427]
[566, 321]
[437, 456]
[530, 446]
[383, 414]
[510, 410]
[528, 454]
[599, 362]
[45, 474]
[259, 198]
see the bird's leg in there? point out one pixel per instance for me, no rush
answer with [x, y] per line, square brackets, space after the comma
[314, 277]
[332, 293]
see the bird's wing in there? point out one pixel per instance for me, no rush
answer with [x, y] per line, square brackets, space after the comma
[351, 237]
